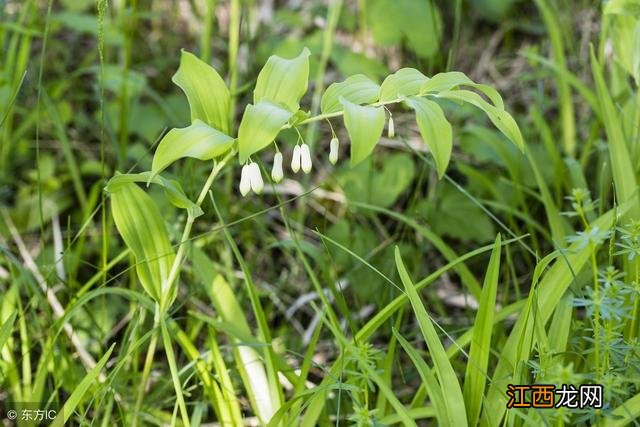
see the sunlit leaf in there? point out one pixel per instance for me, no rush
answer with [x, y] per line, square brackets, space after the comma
[172, 189]
[364, 125]
[453, 79]
[450, 387]
[404, 82]
[260, 125]
[206, 91]
[198, 141]
[358, 89]
[138, 221]
[499, 117]
[435, 130]
[476, 373]
[283, 81]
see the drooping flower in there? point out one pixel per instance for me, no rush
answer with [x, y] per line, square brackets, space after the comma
[295, 159]
[276, 172]
[334, 145]
[305, 158]
[255, 178]
[245, 182]
[391, 130]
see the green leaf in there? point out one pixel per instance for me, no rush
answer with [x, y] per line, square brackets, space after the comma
[453, 79]
[172, 189]
[260, 125]
[499, 117]
[448, 213]
[364, 125]
[358, 89]
[621, 166]
[445, 81]
[283, 81]
[80, 390]
[198, 141]
[380, 185]
[428, 379]
[138, 221]
[450, 387]
[404, 82]
[435, 130]
[417, 22]
[207, 94]
[5, 330]
[476, 373]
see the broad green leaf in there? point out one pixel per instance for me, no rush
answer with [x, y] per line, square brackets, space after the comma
[283, 81]
[404, 82]
[453, 79]
[428, 379]
[417, 22]
[499, 117]
[621, 167]
[207, 94]
[445, 81]
[80, 390]
[623, 7]
[364, 125]
[140, 224]
[172, 189]
[358, 89]
[5, 330]
[476, 373]
[260, 125]
[198, 141]
[435, 130]
[451, 392]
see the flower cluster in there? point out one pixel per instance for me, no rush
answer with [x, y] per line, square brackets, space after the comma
[251, 177]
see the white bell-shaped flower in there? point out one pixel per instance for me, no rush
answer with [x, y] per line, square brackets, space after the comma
[255, 178]
[295, 159]
[334, 147]
[276, 172]
[305, 158]
[245, 181]
[391, 130]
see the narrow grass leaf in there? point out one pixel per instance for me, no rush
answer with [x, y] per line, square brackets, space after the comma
[435, 130]
[450, 386]
[625, 414]
[428, 379]
[206, 92]
[364, 125]
[80, 390]
[5, 330]
[622, 168]
[358, 89]
[283, 81]
[552, 285]
[477, 365]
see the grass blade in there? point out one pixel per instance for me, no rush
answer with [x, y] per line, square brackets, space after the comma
[476, 373]
[448, 380]
[80, 390]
